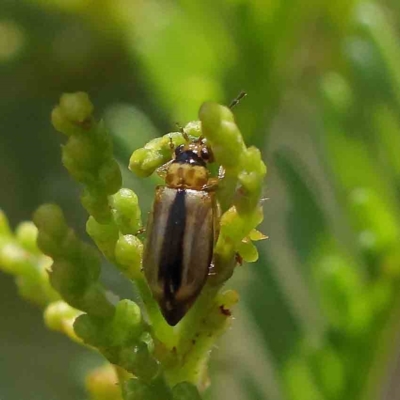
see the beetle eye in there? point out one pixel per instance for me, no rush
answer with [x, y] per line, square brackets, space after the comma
[178, 150]
[204, 154]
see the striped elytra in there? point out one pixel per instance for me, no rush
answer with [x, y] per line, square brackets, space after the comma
[181, 232]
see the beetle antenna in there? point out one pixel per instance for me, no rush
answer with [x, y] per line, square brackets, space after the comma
[182, 131]
[237, 99]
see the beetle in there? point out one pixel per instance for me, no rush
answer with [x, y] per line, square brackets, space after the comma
[182, 229]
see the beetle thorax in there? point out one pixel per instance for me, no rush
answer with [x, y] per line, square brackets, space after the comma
[186, 176]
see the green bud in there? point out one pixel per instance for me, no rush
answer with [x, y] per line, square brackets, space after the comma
[102, 384]
[76, 106]
[144, 162]
[73, 115]
[90, 262]
[246, 248]
[137, 360]
[126, 326]
[248, 251]
[224, 263]
[128, 253]
[69, 246]
[35, 288]
[253, 170]
[245, 165]
[13, 259]
[219, 316]
[50, 219]
[157, 152]
[76, 266]
[48, 245]
[135, 389]
[256, 235]
[57, 313]
[88, 154]
[74, 281]
[126, 211]
[236, 226]
[96, 204]
[61, 124]
[163, 144]
[59, 316]
[110, 177]
[103, 140]
[219, 128]
[90, 330]
[82, 175]
[26, 234]
[104, 235]
[228, 298]
[66, 278]
[82, 153]
[193, 128]
[251, 179]
[94, 302]
[20, 257]
[185, 391]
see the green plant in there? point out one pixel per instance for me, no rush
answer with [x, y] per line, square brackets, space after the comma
[151, 359]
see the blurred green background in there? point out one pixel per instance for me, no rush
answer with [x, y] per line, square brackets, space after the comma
[320, 311]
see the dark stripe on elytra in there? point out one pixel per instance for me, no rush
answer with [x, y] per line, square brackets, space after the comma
[171, 260]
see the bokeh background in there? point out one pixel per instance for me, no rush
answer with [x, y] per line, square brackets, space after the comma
[319, 317]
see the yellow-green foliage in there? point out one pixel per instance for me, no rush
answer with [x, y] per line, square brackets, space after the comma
[165, 362]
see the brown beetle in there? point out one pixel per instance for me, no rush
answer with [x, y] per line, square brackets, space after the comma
[181, 230]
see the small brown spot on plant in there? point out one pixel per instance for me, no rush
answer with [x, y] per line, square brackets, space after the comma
[225, 311]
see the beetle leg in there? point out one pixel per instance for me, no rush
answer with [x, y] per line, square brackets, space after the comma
[162, 171]
[141, 230]
[213, 183]
[221, 173]
[211, 269]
